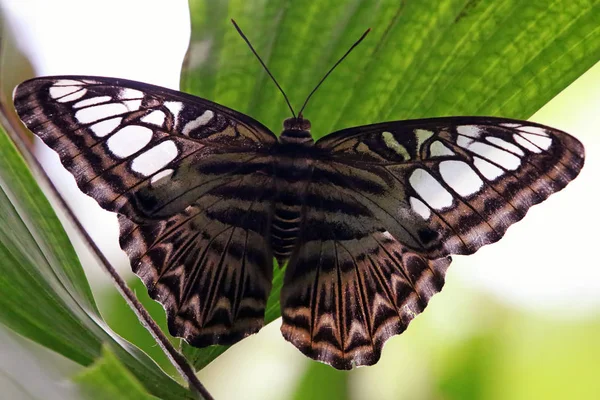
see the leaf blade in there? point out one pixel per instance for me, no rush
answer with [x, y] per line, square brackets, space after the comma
[39, 301]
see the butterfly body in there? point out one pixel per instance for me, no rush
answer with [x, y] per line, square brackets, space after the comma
[292, 174]
[365, 218]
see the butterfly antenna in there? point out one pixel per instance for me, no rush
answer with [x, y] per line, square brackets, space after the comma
[332, 68]
[264, 66]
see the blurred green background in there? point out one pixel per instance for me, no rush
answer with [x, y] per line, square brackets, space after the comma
[517, 320]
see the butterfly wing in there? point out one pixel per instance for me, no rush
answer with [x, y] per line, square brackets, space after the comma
[191, 181]
[390, 203]
[462, 180]
[343, 298]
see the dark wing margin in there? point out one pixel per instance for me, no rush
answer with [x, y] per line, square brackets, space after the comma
[465, 179]
[191, 181]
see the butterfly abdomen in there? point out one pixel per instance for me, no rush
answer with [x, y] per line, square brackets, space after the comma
[292, 176]
[285, 228]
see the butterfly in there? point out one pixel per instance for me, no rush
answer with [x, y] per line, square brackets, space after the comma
[365, 219]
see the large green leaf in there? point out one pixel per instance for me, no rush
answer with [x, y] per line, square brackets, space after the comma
[36, 299]
[422, 59]
[45, 296]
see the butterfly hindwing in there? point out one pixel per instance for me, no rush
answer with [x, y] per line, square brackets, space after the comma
[351, 284]
[209, 265]
[191, 182]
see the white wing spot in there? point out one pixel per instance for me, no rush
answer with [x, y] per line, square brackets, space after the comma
[129, 140]
[156, 117]
[132, 98]
[175, 107]
[460, 177]
[128, 93]
[439, 149]
[490, 171]
[469, 130]
[392, 144]
[161, 176]
[526, 143]
[133, 105]
[510, 125]
[103, 128]
[422, 135]
[388, 235]
[505, 145]
[64, 90]
[430, 190]
[56, 92]
[155, 158]
[67, 82]
[92, 101]
[464, 142]
[73, 96]
[420, 208]
[95, 113]
[496, 155]
[198, 122]
[534, 129]
[542, 142]
[63, 94]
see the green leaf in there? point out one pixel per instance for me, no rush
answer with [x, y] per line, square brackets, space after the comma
[473, 363]
[519, 355]
[422, 59]
[45, 296]
[107, 378]
[36, 298]
[321, 382]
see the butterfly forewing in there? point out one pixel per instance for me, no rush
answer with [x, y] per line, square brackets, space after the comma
[191, 182]
[118, 137]
[466, 179]
[366, 218]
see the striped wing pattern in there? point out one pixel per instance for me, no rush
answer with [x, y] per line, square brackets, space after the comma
[467, 179]
[393, 201]
[342, 299]
[166, 161]
[365, 219]
[209, 265]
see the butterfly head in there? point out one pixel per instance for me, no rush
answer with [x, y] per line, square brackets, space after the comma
[296, 124]
[296, 130]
